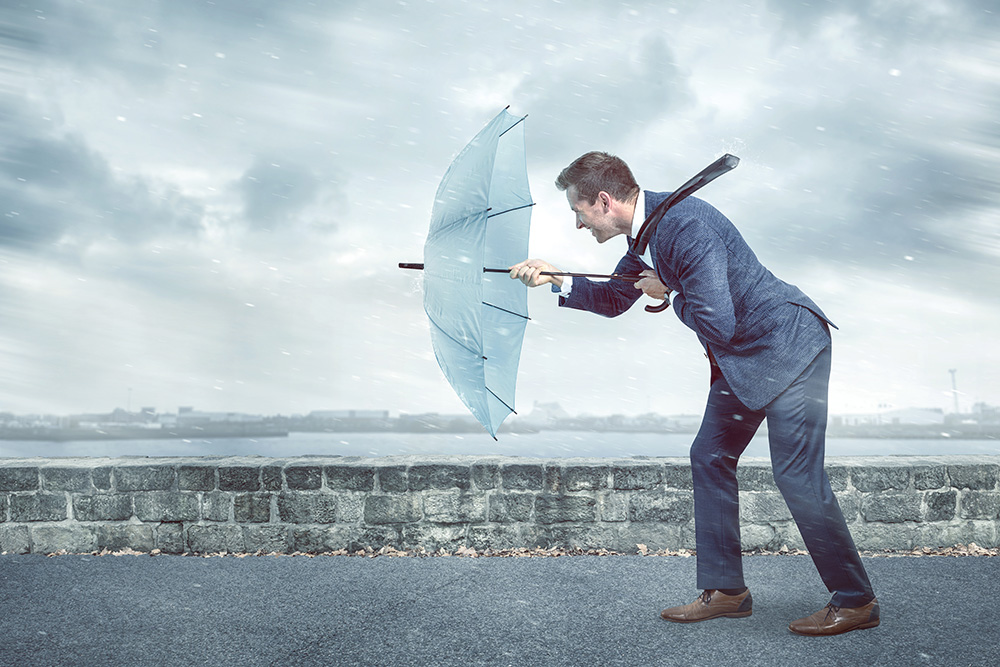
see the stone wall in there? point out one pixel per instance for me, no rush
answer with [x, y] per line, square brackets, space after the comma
[208, 505]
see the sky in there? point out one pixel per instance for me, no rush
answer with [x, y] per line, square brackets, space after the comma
[204, 203]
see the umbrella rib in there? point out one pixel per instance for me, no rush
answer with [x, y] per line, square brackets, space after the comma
[456, 221]
[457, 341]
[485, 303]
[519, 120]
[501, 400]
[516, 208]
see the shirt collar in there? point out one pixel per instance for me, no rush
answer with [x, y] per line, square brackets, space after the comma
[639, 216]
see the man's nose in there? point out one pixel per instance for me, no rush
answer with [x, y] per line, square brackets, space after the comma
[579, 223]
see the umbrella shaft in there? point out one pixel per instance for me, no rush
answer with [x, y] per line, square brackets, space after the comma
[571, 274]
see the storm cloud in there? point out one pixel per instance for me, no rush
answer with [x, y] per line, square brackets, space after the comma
[204, 203]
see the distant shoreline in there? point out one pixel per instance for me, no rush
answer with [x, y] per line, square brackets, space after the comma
[237, 430]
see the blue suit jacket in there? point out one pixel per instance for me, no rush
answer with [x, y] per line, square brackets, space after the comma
[761, 331]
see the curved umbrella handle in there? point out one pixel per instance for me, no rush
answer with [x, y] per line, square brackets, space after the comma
[658, 308]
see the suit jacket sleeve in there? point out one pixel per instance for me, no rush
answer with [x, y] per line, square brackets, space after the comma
[608, 298]
[700, 259]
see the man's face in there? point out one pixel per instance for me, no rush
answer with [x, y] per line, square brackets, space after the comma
[594, 217]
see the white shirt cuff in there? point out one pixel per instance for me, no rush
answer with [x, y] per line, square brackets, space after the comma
[567, 286]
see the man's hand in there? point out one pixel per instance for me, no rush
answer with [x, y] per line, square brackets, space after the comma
[651, 285]
[529, 272]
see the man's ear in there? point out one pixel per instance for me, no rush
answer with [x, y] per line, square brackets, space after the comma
[605, 200]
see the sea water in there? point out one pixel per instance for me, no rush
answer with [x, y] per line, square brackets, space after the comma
[547, 444]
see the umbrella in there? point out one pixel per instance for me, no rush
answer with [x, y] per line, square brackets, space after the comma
[480, 218]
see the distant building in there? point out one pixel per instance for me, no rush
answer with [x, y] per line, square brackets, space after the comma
[893, 417]
[329, 415]
[545, 414]
[986, 414]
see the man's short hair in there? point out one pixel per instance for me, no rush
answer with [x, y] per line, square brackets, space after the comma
[596, 171]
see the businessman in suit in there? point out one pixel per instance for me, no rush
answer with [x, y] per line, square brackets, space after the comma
[768, 346]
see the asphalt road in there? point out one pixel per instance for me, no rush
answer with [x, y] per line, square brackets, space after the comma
[580, 610]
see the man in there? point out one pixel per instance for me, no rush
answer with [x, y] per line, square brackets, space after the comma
[768, 345]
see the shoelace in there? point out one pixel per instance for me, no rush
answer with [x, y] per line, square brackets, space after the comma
[831, 609]
[706, 596]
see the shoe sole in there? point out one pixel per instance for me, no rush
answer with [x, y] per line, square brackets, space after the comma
[863, 626]
[735, 614]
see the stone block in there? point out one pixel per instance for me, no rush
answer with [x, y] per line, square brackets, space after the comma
[754, 478]
[878, 536]
[101, 477]
[305, 507]
[74, 539]
[431, 536]
[216, 506]
[552, 482]
[333, 538]
[270, 477]
[392, 479]
[239, 478]
[392, 509]
[169, 538]
[19, 478]
[559, 509]
[4, 504]
[668, 506]
[350, 478]
[983, 533]
[103, 507]
[38, 507]
[758, 537]
[979, 505]
[216, 539]
[585, 478]
[763, 507]
[440, 477]
[522, 476]
[454, 507]
[977, 477]
[374, 537]
[252, 508]
[311, 540]
[927, 477]
[267, 539]
[510, 507]
[15, 539]
[940, 505]
[572, 536]
[495, 536]
[838, 476]
[656, 536]
[350, 507]
[158, 506]
[850, 505]
[304, 477]
[74, 480]
[144, 477]
[678, 476]
[196, 478]
[788, 535]
[486, 475]
[891, 507]
[634, 476]
[872, 479]
[117, 537]
[612, 507]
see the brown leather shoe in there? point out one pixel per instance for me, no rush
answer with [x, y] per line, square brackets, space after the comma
[833, 620]
[711, 604]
